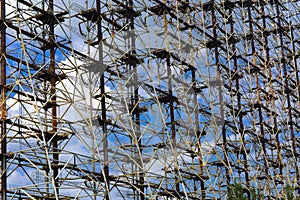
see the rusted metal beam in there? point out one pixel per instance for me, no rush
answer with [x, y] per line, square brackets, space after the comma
[103, 104]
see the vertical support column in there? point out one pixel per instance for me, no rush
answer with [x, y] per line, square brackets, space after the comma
[171, 105]
[267, 62]
[236, 77]
[103, 99]
[53, 100]
[173, 126]
[198, 137]
[135, 106]
[223, 131]
[3, 103]
[287, 93]
[196, 110]
[258, 103]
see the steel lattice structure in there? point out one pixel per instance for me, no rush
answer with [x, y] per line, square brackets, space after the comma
[149, 99]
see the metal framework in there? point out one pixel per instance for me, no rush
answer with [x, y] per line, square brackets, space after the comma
[149, 99]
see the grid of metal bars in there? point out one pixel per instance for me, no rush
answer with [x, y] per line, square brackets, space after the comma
[149, 99]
